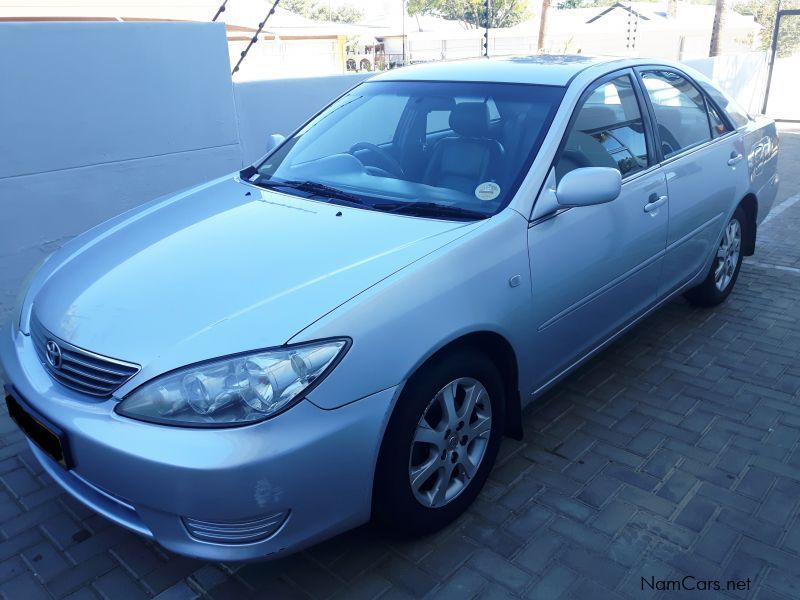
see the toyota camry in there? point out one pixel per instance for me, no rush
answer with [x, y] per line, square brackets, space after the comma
[345, 330]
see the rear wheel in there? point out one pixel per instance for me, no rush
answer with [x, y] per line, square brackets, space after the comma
[725, 268]
[440, 445]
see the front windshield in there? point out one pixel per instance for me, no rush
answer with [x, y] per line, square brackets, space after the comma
[452, 148]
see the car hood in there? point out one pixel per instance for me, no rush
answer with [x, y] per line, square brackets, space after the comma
[224, 268]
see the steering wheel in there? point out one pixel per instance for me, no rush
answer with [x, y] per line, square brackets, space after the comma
[384, 160]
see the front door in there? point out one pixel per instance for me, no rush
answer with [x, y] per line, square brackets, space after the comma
[596, 268]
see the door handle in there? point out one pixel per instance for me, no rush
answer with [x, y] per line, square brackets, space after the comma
[735, 158]
[654, 202]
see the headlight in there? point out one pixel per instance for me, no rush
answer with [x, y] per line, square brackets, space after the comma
[236, 390]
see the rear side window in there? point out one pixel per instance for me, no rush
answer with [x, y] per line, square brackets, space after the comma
[738, 116]
[607, 132]
[718, 126]
[680, 111]
[437, 120]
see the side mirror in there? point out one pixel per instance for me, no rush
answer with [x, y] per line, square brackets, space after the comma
[275, 140]
[588, 186]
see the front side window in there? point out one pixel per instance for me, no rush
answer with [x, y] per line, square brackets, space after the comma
[680, 110]
[607, 132]
[446, 149]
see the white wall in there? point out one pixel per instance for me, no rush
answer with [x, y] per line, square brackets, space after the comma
[96, 118]
[743, 76]
[282, 105]
[282, 58]
[785, 89]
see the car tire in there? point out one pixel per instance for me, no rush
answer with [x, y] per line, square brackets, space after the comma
[445, 453]
[724, 271]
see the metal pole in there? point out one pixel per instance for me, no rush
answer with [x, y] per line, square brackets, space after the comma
[486, 32]
[774, 51]
[403, 3]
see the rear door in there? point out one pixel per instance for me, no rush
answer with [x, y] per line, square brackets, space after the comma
[699, 153]
[596, 268]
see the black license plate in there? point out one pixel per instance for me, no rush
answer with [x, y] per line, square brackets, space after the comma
[45, 435]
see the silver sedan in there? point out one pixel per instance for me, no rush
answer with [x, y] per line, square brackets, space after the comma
[345, 330]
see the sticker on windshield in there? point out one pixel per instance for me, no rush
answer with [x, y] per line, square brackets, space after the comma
[488, 190]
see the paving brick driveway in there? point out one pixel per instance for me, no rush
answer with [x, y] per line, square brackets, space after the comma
[676, 452]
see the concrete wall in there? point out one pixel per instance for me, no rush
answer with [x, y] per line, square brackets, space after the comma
[282, 105]
[743, 76]
[96, 118]
[785, 89]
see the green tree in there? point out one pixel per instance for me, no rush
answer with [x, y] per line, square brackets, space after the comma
[299, 7]
[322, 11]
[502, 13]
[575, 4]
[764, 13]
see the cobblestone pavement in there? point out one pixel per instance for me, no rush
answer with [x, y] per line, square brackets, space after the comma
[676, 452]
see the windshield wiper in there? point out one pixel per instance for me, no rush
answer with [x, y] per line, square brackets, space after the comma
[431, 209]
[312, 187]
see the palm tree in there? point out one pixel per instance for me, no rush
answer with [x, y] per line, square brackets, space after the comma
[543, 25]
[717, 28]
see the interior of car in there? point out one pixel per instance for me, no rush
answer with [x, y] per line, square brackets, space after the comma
[485, 139]
[607, 132]
[434, 141]
[468, 157]
[680, 111]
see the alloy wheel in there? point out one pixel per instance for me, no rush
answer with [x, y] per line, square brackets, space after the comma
[450, 442]
[728, 255]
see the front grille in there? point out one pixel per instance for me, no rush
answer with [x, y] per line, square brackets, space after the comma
[235, 532]
[79, 369]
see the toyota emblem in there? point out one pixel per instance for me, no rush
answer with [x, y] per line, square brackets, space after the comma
[53, 354]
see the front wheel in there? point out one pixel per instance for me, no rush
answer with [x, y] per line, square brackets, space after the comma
[440, 445]
[725, 268]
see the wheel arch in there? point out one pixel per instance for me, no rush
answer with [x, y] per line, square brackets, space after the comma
[502, 354]
[749, 205]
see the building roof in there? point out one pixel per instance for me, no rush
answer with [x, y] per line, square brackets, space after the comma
[538, 69]
[651, 16]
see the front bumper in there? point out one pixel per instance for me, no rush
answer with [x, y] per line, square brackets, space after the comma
[307, 472]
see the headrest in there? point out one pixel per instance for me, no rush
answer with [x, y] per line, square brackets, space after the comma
[595, 117]
[470, 119]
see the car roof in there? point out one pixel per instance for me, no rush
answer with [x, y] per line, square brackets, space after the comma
[541, 69]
